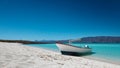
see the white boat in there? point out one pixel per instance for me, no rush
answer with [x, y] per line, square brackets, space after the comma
[73, 50]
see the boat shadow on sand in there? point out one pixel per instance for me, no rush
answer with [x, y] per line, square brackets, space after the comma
[77, 54]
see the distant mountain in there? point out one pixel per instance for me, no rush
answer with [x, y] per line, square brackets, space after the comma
[99, 39]
[54, 41]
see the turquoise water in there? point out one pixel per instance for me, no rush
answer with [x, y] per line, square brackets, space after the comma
[103, 51]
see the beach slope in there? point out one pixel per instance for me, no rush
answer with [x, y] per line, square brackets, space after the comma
[15, 55]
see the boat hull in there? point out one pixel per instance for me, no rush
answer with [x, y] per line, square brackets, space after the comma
[72, 50]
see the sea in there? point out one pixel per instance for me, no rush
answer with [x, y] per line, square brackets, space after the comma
[109, 52]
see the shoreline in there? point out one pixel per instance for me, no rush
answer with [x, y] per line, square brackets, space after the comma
[87, 57]
[102, 60]
[15, 55]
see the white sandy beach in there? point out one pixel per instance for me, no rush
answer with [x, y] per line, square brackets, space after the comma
[15, 55]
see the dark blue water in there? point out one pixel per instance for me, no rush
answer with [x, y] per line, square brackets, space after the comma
[105, 51]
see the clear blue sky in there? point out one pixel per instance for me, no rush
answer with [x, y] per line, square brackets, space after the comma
[58, 19]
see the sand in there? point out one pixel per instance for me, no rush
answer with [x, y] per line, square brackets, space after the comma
[15, 55]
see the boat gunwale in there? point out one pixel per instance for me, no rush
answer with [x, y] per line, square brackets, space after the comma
[74, 46]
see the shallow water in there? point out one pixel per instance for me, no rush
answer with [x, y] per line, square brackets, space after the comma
[103, 51]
